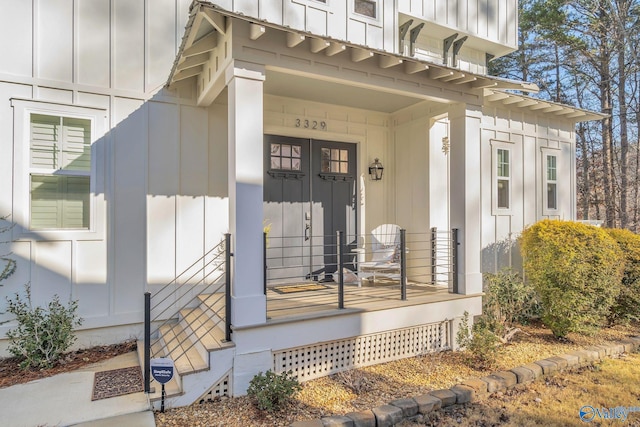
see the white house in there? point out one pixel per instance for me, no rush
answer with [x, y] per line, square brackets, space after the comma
[135, 133]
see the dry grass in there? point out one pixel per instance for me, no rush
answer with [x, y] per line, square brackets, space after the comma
[555, 401]
[376, 385]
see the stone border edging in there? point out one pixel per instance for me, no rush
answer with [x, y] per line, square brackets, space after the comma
[473, 389]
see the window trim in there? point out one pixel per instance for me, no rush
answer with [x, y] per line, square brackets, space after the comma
[546, 153]
[22, 170]
[315, 4]
[508, 147]
[365, 18]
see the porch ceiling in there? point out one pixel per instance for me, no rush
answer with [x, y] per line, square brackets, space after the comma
[293, 86]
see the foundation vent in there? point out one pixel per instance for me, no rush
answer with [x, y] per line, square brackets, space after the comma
[319, 360]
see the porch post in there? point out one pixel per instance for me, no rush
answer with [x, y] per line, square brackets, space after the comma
[245, 140]
[466, 213]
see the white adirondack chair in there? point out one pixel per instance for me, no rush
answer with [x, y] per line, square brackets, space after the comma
[385, 254]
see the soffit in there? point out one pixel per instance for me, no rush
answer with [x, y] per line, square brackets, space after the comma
[499, 98]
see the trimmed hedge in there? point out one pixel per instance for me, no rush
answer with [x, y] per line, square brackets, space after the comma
[576, 270]
[627, 305]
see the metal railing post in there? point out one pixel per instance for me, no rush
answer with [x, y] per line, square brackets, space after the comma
[264, 261]
[403, 264]
[147, 342]
[454, 258]
[340, 267]
[434, 254]
[227, 287]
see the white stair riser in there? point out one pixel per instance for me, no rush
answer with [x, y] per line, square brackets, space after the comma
[194, 339]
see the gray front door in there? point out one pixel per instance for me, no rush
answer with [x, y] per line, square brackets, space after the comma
[309, 194]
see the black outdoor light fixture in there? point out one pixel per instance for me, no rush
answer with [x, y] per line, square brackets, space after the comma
[376, 169]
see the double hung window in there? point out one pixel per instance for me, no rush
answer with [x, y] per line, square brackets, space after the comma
[552, 182]
[503, 178]
[59, 187]
[59, 172]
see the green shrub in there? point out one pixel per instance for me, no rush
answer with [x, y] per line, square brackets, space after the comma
[479, 341]
[576, 270]
[271, 391]
[627, 306]
[508, 300]
[42, 334]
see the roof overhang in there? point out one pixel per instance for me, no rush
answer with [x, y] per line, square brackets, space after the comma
[502, 98]
[208, 23]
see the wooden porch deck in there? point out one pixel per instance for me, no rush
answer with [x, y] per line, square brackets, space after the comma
[324, 302]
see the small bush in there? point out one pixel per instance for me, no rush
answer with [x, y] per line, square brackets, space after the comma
[508, 300]
[627, 306]
[355, 380]
[42, 334]
[271, 391]
[576, 270]
[479, 341]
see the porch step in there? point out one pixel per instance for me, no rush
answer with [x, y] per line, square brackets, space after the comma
[213, 305]
[205, 331]
[192, 343]
[178, 346]
[172, 388]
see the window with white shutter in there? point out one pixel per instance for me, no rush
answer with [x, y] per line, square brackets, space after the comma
[552, 182]
[60, 172]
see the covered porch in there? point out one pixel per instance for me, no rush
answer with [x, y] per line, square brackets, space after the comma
[278, 98]
[421, 120]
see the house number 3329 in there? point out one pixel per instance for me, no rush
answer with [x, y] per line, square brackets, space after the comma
[311, 124]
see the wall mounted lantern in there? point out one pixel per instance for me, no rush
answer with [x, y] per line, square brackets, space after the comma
[375, 170]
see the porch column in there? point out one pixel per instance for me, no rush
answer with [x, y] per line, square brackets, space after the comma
[245, 138]
[466, 213]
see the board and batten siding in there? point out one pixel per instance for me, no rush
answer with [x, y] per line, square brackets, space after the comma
[529, 138]
[160, 185]
[336, 19]
[493, 20]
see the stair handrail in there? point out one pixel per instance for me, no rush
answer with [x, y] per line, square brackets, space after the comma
[220, 259]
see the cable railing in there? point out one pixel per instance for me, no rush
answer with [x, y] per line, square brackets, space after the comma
[209, 275]
[401, 258]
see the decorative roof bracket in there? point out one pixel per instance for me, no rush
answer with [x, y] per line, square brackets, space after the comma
[446, 46]
[413, 37]
[488, 57]
[404, 29]
[457, 45]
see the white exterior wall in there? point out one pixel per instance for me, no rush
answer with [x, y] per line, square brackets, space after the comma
[159, 180]
[528, 137]
[421, 178]
[495, 21]
[332, 18]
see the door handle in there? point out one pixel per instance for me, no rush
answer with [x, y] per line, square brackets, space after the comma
[307, 228]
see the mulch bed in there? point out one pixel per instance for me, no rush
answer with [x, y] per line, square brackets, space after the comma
[11, 374]
[117, 382]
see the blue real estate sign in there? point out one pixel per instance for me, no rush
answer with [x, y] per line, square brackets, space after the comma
[162, 369]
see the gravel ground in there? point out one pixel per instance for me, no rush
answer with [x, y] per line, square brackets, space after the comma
[376, 385]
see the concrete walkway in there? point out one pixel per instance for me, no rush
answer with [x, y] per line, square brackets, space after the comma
[65, 399]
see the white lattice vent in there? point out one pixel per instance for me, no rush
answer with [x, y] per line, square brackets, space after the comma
[217, 391]
[323, 359]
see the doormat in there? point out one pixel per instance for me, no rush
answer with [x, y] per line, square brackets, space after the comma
[290, 289]
[117, 382]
